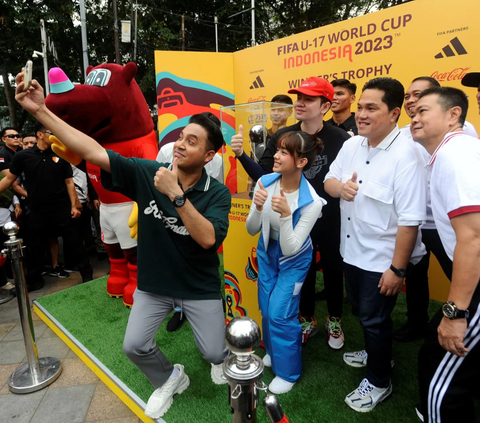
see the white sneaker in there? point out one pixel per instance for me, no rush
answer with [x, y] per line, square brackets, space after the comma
[218, 377]
[267, 361]
[336, 338]
[359, 359]
[367, 396]
[162, 398]
[356, 358]
[280, 386]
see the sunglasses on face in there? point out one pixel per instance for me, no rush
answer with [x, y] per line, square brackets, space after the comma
[12, 136]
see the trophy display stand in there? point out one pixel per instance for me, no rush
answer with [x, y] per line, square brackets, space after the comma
[244, 370]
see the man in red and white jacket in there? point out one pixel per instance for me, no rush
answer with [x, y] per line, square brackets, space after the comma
[448, 360]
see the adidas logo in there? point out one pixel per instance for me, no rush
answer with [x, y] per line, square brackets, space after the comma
[258, 83]
[448, 51]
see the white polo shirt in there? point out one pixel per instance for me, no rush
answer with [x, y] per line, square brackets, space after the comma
[391, 193]
[454, 183]
[425, 157]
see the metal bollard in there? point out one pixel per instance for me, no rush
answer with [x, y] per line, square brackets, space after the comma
[37, 373]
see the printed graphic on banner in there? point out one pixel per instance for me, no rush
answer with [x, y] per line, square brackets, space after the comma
[185, 97]
[258, 83]
[347, 43]
[449, 52]
[233, 297]
[251, 271]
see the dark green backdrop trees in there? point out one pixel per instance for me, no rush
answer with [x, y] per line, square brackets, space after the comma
[159, 28]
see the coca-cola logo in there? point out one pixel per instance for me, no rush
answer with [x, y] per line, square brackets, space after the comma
[454, 75]
[259, 98]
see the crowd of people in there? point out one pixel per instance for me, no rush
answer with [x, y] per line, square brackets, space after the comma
[374, 200]
[49, 198]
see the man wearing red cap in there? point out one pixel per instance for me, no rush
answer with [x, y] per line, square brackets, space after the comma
[314, 97]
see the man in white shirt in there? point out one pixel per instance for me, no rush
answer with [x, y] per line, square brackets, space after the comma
[382, 191]
[448, 360]
[416, 281]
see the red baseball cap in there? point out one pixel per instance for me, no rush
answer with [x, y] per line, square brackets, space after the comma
[315, 87]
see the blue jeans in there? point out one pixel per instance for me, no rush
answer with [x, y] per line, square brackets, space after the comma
[374, 310]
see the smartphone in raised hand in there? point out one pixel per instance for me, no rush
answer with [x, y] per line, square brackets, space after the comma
[27, 75]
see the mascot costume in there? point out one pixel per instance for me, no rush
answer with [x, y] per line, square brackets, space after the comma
[110, 108]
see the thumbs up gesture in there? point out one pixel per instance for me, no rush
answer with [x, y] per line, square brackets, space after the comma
[166, 181]
[260, 196]
[350, 188]
[280, 204]
[237, 142]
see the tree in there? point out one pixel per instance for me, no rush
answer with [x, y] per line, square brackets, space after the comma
[159, 28]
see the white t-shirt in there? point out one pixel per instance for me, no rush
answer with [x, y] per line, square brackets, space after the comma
[291, 239]
[214, 167]
[424, 155]
[454, 183]
[391, 193]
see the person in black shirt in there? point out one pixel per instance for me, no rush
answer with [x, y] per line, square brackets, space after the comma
[342, 102]
[314, 97]
[50, 188]
[11, 139]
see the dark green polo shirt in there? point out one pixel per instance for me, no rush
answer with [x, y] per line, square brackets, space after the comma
[170, 262]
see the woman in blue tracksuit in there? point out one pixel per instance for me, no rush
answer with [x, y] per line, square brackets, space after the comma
[285, 207]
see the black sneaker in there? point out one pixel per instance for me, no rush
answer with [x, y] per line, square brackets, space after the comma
[71, 269]
[176, 321]
[46, 270]
[59, 273]
[34, 287]
[87, 277]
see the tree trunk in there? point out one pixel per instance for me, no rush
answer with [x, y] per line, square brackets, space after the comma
[9, 95]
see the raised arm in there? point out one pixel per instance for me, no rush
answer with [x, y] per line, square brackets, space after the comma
[33, 102]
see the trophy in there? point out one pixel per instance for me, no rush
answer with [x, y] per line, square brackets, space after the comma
[257, 135]
[244, 370]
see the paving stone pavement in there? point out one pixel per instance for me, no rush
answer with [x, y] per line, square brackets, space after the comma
[78, 395]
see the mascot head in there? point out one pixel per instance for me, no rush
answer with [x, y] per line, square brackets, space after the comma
[109, 107]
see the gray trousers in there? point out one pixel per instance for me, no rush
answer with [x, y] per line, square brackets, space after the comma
[206, 318]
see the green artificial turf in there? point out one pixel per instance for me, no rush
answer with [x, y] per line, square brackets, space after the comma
[99, 322]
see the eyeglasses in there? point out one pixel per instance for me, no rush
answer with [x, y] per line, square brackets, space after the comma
[12, 136]
[47, 132]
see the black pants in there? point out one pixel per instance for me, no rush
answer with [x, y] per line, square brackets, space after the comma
[416, 281]
[44, 225]
[326, 240]
[449, 383]
[374, 312]
[84, 228]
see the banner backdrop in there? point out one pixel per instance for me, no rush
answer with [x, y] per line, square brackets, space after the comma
[419, 38]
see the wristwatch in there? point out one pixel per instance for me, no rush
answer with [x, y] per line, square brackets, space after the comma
[400, 272]
[451, 311]
[179, 200]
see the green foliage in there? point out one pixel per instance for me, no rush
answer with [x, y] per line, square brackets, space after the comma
[159, 27]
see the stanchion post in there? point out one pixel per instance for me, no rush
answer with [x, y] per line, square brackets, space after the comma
[36, 373]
